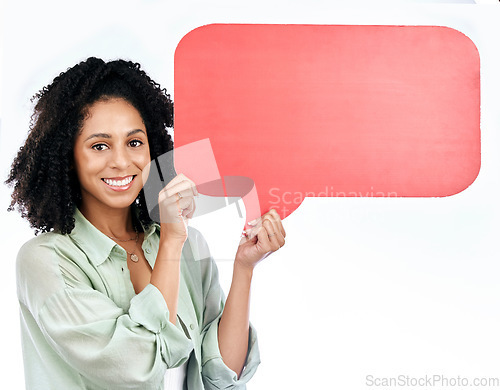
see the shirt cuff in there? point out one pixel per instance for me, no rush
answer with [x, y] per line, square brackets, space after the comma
[216, 375]
[149, 309]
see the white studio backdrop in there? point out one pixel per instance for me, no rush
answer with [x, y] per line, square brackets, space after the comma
[365, 287]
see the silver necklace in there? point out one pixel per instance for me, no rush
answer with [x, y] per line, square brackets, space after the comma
[132, 255]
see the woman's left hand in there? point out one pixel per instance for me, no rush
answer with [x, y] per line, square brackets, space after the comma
[266, 235]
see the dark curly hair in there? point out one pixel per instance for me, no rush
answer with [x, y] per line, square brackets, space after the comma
[46, 189]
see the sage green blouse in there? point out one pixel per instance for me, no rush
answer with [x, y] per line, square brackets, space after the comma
[83, 326]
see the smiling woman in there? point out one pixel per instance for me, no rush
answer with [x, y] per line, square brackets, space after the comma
[110, 299]
[110, 154]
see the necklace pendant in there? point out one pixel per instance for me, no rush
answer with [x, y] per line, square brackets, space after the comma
[134, 257]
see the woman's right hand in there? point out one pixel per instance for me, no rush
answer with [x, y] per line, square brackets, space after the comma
[176, 203]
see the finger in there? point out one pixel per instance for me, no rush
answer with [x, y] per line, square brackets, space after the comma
[189, 211]
[193, 187]
[185, 203]
[272, 234]
[176, 180]
[275, 237]
[275, 225]
[259, 222]
[280, 239]
[263, 240]
[173, 209]
[184, 194]
[278, 226]
[256, 222]
[252, 232]
[165, 199]
[273, 214]
[179, 179]
[184, 187]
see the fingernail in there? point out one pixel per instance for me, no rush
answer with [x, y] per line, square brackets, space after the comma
[253, 222]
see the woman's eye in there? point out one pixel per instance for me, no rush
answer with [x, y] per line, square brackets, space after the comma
[99, 147]
[135, 143]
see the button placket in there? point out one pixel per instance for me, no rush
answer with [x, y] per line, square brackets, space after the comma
[121, 293]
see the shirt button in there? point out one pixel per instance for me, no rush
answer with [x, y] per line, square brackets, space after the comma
[148, 251]
[191, 326]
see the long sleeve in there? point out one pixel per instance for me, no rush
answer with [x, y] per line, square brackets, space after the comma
[107, 346]
[215, 374]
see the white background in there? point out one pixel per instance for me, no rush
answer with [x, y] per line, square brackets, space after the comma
[364, 286]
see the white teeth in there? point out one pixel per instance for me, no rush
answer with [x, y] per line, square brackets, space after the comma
[119, 183]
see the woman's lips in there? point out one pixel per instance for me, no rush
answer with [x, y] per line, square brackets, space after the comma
[119, 183]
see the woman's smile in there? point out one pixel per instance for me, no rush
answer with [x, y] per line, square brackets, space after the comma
[119, 184]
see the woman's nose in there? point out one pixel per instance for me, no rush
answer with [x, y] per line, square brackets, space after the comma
[120, 158]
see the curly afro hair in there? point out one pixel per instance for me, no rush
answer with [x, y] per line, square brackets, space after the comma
[46, 189]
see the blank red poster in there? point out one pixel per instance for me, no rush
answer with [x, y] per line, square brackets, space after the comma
[316, 110]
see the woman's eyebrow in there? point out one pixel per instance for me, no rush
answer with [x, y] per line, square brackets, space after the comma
[132, 132]
[108, 136]
[98, 135]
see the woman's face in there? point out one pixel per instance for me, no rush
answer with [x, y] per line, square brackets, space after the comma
[110, 153]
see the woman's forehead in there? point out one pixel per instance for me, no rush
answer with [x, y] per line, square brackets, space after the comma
[111, 116]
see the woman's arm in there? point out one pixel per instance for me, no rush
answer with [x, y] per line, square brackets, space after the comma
[66, 309]
[265, 237]
[176, 203]
[166, 272]
[234, 323]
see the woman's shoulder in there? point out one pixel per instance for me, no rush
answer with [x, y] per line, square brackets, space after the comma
[38, 268]
[46, 242]
[47, 252]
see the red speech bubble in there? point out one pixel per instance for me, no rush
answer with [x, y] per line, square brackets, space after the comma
[309, 110]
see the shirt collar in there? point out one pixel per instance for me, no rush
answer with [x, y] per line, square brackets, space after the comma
[96, 245]
[150, 230]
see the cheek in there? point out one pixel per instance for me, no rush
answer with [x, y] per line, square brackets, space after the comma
[146, 158]
[85, 165]
[143, 161]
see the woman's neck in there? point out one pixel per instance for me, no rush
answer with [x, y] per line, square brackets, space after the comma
[112, 222]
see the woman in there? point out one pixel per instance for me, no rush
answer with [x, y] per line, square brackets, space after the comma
[110, 299]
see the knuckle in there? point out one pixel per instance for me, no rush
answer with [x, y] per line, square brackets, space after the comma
[267, 221]
[162, 196]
